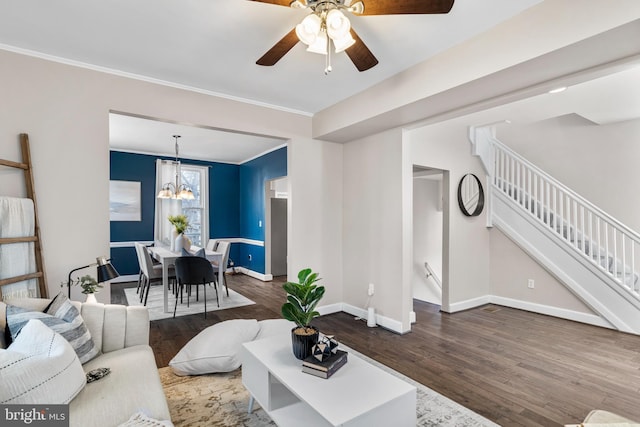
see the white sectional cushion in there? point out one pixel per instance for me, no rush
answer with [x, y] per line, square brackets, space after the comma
[62, 317]
[215, 349]
[132, 386]
[40, 367]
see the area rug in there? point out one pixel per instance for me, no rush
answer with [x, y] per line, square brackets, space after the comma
[221, 400]
[155, 302]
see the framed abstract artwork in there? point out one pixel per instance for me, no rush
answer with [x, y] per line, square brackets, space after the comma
[124, 201]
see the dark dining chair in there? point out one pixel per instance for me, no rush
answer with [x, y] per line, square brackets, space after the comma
[194, 271]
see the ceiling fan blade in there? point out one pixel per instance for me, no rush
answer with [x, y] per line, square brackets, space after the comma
[279, 49]
[360, 54]
[277, 2]
[394, 7]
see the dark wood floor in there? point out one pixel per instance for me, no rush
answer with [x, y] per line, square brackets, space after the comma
[511, 366]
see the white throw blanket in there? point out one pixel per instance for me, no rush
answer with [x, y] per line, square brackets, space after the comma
[17, 219]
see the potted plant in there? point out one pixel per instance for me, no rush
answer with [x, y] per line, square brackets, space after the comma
[300, 308]
[89, 287]
[180, 224]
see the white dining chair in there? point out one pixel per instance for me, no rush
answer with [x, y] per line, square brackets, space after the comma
[150, 272]
[223, 247]
[212, 244]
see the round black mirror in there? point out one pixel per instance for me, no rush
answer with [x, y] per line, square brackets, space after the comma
[470, 195]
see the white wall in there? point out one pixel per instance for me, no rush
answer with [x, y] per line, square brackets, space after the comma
[511, 268]
[599, 162]
[427, 239]
[65, 111]
[465, 269]
[373, 225]
[315, 213]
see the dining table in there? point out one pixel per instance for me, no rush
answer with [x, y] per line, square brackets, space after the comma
[167, 258]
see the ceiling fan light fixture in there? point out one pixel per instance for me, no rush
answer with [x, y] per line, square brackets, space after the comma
[337, 24]
[319, 45]
[343, 43]
[307, 31]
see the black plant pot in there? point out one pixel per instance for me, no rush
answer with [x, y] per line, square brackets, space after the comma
[303, 344]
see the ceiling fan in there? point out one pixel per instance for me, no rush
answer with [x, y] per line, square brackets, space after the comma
[327, 25]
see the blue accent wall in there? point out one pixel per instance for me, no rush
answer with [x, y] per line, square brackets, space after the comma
[253, 176]
[236, 204]
[224, 204]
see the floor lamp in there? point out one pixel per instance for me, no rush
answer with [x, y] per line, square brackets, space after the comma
[106, 271]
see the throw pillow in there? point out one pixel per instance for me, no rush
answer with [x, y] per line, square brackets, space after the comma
[200, 252]
[274, 327]
[215, 349]
[62, 317]
[39, 367]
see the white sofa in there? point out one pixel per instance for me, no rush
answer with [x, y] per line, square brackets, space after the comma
[122, 333]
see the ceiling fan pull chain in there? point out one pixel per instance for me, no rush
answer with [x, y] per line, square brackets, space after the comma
[328, 68]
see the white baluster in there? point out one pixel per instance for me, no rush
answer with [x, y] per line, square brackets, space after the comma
[624, 261]
[606, 245]
[635, 284]
[615, 254]
[576, 229]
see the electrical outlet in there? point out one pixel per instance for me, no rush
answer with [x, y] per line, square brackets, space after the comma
[249, 257]
[531, 284]
[371, 289]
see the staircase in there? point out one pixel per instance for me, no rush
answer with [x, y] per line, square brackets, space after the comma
[590, 252]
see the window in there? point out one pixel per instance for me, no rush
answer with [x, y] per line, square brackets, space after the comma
[196, 210]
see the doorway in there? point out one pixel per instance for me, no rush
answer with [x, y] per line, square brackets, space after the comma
[428, 231]
[276, 227]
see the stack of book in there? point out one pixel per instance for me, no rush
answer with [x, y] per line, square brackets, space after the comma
[325, 368]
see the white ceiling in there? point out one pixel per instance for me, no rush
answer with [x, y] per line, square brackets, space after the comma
[145, 136]
[610, 99]
[212, 46]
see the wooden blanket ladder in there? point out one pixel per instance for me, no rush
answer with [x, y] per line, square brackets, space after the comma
[31, 194]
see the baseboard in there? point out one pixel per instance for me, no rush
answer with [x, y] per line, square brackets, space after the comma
[562, 313]
[383, 321]
[468, 304]
[254, 274]
[330, 309]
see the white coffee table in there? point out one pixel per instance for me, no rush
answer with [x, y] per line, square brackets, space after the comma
[359, 394]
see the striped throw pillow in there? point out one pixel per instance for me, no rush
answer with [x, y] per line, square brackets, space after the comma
[62, 317]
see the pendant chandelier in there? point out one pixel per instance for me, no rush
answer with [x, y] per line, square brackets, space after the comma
[176, 190]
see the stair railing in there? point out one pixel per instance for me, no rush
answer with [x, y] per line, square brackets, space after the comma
[587, 229]
[431, 273]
